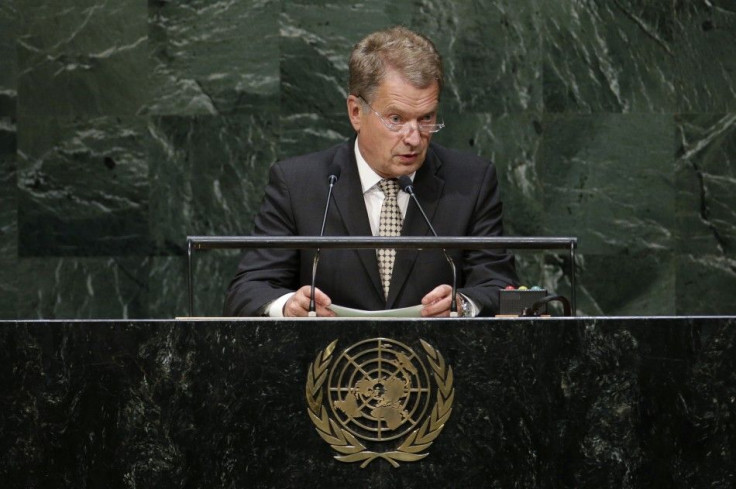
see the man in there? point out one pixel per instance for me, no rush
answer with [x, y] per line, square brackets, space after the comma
[395, 82]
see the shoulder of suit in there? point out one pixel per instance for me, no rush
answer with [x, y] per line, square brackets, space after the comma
[310, 160]
[451, 157]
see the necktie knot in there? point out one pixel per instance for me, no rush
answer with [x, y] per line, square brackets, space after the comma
[389, 187]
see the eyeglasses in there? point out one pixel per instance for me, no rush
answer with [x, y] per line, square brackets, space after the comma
[397, 124]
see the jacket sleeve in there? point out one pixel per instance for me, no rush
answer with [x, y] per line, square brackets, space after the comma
[487, 271]
[263, 275]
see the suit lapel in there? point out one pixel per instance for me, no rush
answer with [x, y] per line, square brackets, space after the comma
[428, 189]
[349, 202]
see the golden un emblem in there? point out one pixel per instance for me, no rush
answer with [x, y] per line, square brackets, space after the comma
[378, 400]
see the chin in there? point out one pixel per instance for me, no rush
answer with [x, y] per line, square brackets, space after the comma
[404, 169]
[414, 163]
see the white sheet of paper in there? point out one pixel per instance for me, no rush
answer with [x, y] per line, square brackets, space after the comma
[404, 312]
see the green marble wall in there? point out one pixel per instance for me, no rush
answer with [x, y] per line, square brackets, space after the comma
[126, 126]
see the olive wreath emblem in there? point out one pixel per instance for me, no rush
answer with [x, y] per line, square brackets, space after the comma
[349, 447]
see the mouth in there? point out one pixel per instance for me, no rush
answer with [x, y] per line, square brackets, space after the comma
[408, 157]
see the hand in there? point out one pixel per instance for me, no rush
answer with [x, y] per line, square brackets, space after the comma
[437, 302]
[298, 304]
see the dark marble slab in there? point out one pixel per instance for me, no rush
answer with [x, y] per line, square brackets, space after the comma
[83, 187]
[302, 133]
[212, 272]
[706, 220]
[85, 59]
[82, 287]
[9, 57]
[512, 143]
[614, 197]
[608, 402]
[207, 175]
[705, 176]
[705, 283]
[705, 36]
[645, 283]
[609, 56]
[213, 58]
[8, 219]
[491, 51]
[8, 160]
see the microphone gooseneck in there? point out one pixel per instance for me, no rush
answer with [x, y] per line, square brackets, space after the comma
[406, 185]
[334, 175]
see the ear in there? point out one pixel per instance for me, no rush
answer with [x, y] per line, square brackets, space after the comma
[355, 112]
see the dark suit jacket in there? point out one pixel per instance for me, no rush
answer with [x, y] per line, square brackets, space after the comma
[459, 193]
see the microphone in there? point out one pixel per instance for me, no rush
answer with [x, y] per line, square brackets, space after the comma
[334, 174]
[406, 185]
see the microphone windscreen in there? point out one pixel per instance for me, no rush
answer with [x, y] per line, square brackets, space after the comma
[334, 172]
[405, 184]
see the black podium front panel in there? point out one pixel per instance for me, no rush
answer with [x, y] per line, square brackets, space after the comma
[558, 403]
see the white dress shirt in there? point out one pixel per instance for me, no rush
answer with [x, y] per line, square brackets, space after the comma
[372, 193]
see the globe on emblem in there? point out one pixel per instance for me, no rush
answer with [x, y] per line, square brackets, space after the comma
[379, 389]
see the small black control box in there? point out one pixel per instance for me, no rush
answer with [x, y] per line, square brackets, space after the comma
[514, 301]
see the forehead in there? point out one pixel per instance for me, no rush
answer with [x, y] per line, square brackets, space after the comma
[396, 92]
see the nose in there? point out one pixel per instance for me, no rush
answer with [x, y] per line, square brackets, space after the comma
[411, 134]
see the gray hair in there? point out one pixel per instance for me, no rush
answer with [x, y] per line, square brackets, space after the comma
[410, 54]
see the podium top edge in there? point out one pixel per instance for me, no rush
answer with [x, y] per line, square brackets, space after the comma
[458, 242]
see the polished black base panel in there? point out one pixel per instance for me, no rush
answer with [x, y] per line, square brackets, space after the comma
[555, 403]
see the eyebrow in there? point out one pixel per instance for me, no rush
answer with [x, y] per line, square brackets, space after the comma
[393, 108]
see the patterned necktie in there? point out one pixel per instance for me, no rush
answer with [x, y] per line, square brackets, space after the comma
[388, 225]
